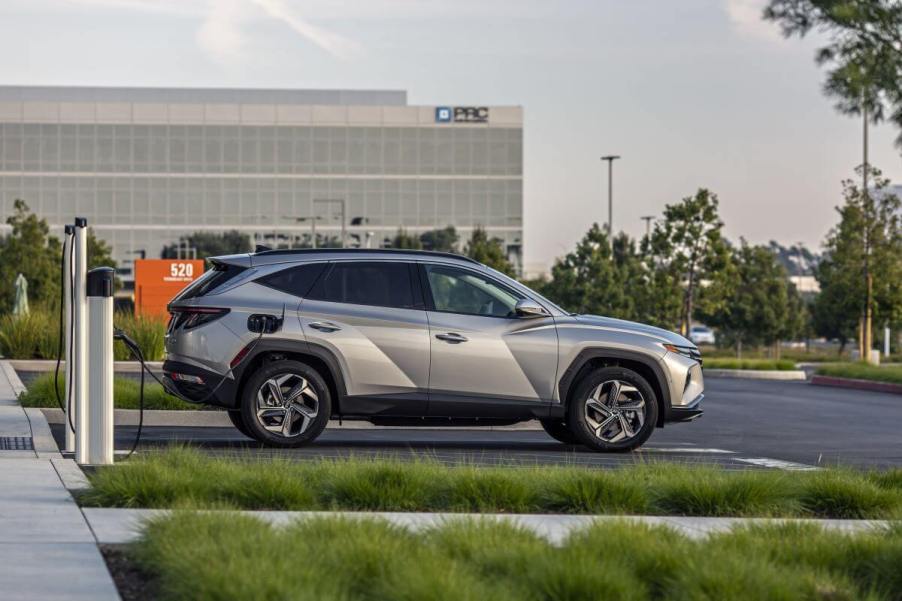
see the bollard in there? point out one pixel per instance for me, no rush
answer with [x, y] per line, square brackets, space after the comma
[100, 360]
[69, 231]
[79, 340]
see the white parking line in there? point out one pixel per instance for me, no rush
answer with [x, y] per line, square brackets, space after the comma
[778, 464]
[686, 450]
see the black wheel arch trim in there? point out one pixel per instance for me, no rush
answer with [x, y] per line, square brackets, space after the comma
[662, 388]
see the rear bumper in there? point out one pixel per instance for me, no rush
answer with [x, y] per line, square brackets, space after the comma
[688, 412]
[199, 391]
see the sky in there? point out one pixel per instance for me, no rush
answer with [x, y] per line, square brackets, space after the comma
[691, 93]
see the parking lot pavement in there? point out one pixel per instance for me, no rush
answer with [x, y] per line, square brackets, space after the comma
[747, 424]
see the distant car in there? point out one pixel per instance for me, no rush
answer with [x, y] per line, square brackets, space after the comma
[702, 335]
[416, 338]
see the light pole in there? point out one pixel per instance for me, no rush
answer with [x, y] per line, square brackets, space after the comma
[610, 159]
[648, 219]
[330, 202]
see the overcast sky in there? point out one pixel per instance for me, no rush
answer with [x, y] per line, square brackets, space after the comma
[691, 92]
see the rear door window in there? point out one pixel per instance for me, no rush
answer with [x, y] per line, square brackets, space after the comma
[377, 283]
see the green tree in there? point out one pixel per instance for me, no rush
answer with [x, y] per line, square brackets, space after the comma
[488, 251]
[31, 251]
[594, 278]
[751, 300]
[863, 54]
[869, 234]
[99, 252]
[403, 239]
[687, 244]
[210, 244]
[441, 240]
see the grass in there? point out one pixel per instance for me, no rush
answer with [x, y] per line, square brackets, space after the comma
[218, 557]
[125, 394]
[752, 364]
[181, 477]
[862, 371]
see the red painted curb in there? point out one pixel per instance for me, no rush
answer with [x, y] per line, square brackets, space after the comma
[855, 384]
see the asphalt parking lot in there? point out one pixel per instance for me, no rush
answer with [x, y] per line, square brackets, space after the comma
[747, 424]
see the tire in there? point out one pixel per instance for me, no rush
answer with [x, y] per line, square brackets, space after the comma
[596, 425]
[309, 412]
[558, 430]
[238, 422]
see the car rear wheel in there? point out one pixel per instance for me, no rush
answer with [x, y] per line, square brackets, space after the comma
[286, 404]
[238, 422]
[613, 409]
[558, 430]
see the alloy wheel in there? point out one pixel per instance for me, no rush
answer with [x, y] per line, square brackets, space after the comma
[286, 404]
[615, 411]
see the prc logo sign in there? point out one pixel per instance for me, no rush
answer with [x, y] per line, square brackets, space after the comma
[461, 114]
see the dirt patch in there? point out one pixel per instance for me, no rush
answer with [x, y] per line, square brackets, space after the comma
[134, 583]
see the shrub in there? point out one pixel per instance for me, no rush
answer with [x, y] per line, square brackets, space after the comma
[32, 336]
[147, 331]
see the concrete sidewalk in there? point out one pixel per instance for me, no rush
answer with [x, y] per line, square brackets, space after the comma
[47, 548]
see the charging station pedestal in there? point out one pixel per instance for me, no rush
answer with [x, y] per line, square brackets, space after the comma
[79, 340]
[100, 360]
[68, 419]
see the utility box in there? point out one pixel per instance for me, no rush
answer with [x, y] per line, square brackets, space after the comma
[158, 280]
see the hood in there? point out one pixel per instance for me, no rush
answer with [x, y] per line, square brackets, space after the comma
[632, 326]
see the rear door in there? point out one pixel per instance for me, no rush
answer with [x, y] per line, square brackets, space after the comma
[485, 360]
[371, 318]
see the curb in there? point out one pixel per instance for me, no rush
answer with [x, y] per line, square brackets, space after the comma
[855, 384]
[46, 365]
[118, 526]
[795, 375]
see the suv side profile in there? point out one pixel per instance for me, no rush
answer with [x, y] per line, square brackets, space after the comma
[286, 340]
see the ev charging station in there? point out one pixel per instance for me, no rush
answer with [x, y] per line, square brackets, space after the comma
[88, 308]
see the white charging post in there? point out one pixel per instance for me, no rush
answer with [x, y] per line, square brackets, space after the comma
[67, 338]
[100, 360]
[79, 339]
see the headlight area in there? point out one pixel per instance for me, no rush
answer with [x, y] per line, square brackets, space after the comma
[690, 352]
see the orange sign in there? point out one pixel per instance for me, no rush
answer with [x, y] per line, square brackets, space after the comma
[158, 280]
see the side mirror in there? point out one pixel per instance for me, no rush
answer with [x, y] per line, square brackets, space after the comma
[529, 308]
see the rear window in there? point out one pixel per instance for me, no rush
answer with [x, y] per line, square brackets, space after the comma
[367, 283]
[294, 280]
[209, 281]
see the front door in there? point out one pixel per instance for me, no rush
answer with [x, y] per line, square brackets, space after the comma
[370, 316]
[486, 360]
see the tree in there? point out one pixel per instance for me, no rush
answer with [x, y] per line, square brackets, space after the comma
[488, 251]
[594, 279]
[750, 300]
[31, 251]
[210, 244]
[867, 239]
[404, 240]
[688, 245]
[864, 53]
[442, 240]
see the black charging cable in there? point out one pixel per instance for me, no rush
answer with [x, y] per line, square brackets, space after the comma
[67, 410]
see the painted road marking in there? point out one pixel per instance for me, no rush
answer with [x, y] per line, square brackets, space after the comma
[778, 464]
[686, 450]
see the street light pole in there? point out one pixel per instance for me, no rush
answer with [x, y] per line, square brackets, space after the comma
[610, 159]
[648, 219]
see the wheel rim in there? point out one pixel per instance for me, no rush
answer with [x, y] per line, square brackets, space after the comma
[615, 411]
[287, 405]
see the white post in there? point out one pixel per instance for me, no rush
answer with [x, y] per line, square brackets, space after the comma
[67, 339]
[886, 334]
[79, 341]
[100, 359]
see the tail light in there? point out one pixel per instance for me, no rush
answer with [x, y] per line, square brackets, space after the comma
[187, 318]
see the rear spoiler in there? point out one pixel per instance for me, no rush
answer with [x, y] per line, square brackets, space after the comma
[242, 260]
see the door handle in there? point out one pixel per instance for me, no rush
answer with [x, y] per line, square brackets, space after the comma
[451, 337]
[323, 326]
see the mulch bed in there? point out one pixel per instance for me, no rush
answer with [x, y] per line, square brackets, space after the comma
[134, 583]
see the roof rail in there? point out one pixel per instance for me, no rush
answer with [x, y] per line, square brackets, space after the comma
[351, 251]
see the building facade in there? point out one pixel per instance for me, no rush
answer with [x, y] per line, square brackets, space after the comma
[146, 166]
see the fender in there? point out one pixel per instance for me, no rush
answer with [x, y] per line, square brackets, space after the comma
[662, 386]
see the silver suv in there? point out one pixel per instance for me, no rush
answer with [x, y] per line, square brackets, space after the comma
[286, 340]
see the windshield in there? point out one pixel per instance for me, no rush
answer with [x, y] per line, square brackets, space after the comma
[518, 286]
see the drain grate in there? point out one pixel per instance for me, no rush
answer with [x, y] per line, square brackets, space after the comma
[16, 443]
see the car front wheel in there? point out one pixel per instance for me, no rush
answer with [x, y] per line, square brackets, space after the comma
[613, 409]
[286, 404]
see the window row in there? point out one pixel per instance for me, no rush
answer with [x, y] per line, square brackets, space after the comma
[247, 149]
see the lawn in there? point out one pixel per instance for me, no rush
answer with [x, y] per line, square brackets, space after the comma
[752, 364]
[186, 478]
[862, 371]
[125, 394]
[217, 557]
